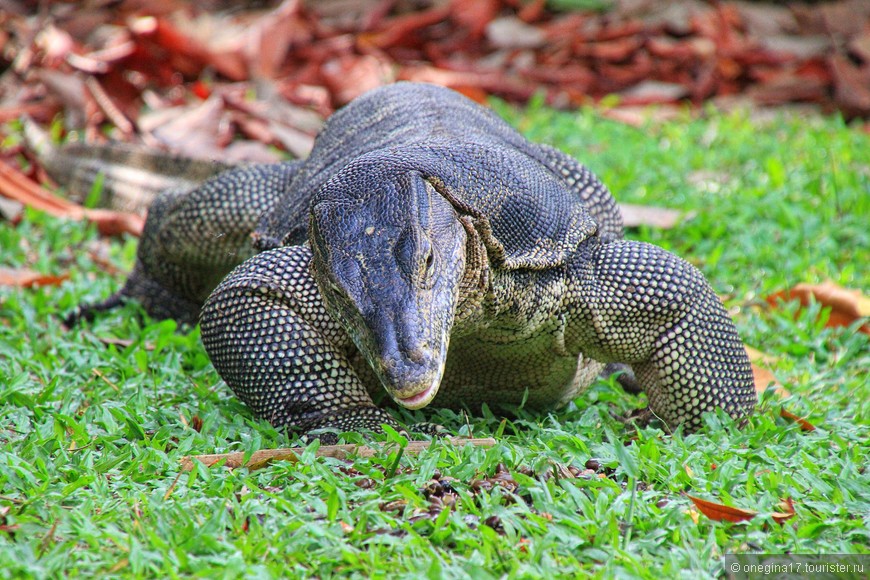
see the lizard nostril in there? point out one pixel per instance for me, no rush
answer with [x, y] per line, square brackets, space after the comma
[417, 355]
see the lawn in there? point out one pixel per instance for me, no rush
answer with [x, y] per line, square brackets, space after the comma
[93, 421]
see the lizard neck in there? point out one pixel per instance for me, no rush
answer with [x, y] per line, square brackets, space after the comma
[475, 288]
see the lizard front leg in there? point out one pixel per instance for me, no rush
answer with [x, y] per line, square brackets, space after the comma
[271, 340]
[194, 237]
[641, 305]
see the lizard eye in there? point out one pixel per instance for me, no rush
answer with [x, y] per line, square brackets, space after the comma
[427, 260]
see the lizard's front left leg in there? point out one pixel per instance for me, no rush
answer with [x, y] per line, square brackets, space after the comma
[269, 337]
[641, 305]
[193, 238]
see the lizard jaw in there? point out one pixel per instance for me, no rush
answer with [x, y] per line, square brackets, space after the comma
[419, 400]
[425, 387]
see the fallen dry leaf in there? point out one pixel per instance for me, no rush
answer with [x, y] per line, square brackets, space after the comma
[25, 278]
[760, 357]
[764, 379]
[805, 425]
[761, 374]
[788, 511]
[17, 186]
[720, 512]
[847, 305]
[662, 218]
[114, 223]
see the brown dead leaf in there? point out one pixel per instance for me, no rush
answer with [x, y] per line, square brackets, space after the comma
[764, 379]
[114, 223]
[474, 15]
[852, 86]
[663, 218]
[25, 278]
[200, 130]
[762, 375]
[720, 512]
[15, 185]
[349, 76]
[511, 32]
[403, 30]
[804, 424]
[638, 116]
[788, 511]
[847, 305]
[183, 52]
[269, 39]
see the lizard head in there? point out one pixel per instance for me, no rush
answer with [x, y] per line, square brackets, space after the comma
[388, 262]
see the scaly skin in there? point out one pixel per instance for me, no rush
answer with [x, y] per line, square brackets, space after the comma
[449, 262]
[130, 177]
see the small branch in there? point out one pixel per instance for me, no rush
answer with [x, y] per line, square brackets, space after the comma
[263, 457]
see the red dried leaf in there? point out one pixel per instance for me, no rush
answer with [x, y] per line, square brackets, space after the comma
[115, 223]
[17, 186]
[403, 30]
[764, 378]
[805, 425]
[350, 75]
[532, 11]
[268, 40]
[847, 305]
[788, 511]
[662, 218]
[185, 53]
[617, 50]
[474, 15]
[119, 342]
[25, 278]
[852, 86]
[722, 513]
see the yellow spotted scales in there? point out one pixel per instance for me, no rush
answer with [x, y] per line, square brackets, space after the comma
[427, 250]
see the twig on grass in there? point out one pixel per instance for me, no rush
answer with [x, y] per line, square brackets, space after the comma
[263, 457]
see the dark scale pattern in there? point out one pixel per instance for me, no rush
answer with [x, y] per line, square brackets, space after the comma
[529, 279]
[594, 194]
[193, 237]
[642, 305]
[271, 340]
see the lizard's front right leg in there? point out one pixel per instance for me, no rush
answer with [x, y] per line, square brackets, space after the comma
[270, 338]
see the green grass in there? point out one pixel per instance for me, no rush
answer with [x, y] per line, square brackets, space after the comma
[91, 435]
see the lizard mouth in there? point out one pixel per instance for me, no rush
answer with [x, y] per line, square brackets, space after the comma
[419, 400]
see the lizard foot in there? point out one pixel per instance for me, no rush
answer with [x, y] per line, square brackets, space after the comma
[429, 429]
[624, 376]
[641, 418]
